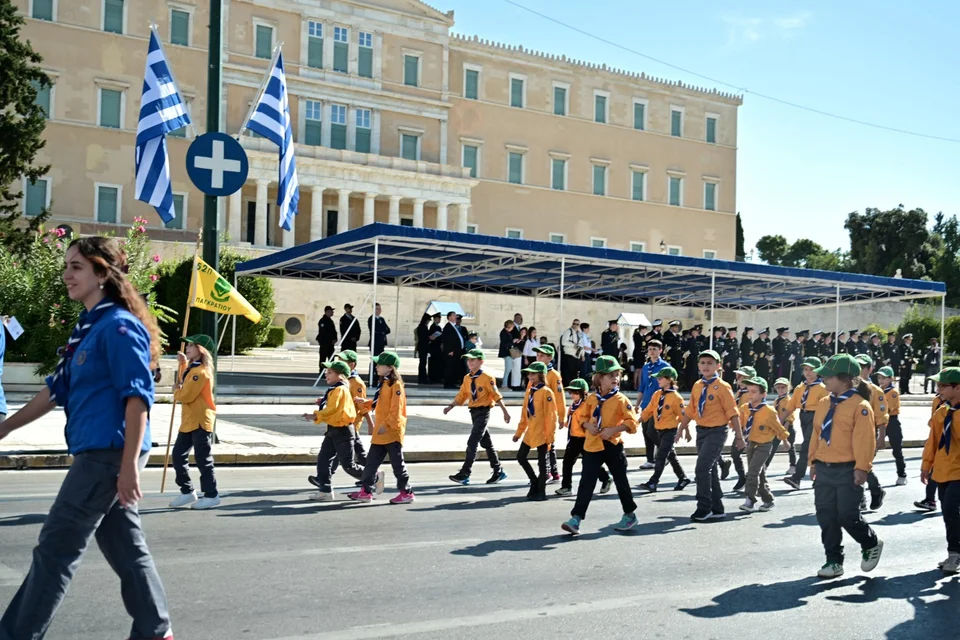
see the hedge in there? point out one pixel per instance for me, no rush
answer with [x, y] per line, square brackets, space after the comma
[275, 337]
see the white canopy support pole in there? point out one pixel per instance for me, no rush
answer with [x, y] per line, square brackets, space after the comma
[563, 271]
[373, 323]
[713, 302]
[836, 341]
[233, 345]
[943, 324]
[396, 324]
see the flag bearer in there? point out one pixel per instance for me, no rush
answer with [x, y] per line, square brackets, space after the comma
[666, 411]
[941, 462]
[806, 398]
[761, 428]
[339, 412]
[577, 414]
[538, 423]
[894, 432]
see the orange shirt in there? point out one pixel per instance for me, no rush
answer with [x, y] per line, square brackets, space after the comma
[892, 398]
[853, 436]
[487, 392]
[672, 413]
[878, 404]
[719, 408]
[784, 410]
[538, 429]
[817, 392]
[358, 390]
[946, 466]
[615, 412]
[766, 424]
[390, 415]
[576, 416]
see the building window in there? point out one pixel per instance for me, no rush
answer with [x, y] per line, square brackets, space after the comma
[179, 27]
[315, 45]
[516, 234]
[406, 221]
[36, 196]
[558, 238]
[365, 54]
[471, 158]
[263, 44]
[674, 251]
[559, 101]
[409, 146]
[411, 70]
[341, 49]
[43, 97]
[558, 174]
[639, 185]
[364, 130]
[599, 180]
[313, 123]
[338, 126]
[471, 84]
[600, 108]
[517, 92]
[179, 212]
[638, 247]
[113, 16]
[111, 108]
[709, 254]
[42, 10]
[676, 123]
[598, 243]
[108, 204]
[640, 115]
[711, 130]
[515, 167]
[676, 191]
[710, 196]
[471, 228]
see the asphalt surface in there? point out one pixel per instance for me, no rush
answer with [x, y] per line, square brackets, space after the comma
[481, 562]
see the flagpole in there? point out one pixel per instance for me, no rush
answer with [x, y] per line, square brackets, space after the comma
[263, 87]
[186, 324]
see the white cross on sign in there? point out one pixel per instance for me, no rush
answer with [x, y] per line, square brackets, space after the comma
[217, 164]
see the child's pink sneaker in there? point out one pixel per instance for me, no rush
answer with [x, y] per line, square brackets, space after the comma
[405, 497]
[361, 496]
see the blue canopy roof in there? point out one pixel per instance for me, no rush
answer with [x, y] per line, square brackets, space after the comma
[414, 257]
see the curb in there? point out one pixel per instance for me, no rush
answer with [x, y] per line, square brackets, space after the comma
[23, 461]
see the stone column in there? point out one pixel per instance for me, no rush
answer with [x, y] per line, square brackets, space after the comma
[260, 222]
[235, 216]
[316, 213]
[443, 142]
[369, 204]
[375, 134]
[464, 213]
[442, 223]
[394, 217]
[289, 237]
[343, 210]
[418, 212]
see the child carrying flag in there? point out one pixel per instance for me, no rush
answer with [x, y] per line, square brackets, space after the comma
[577, 414]
[761, 427]
[894, 432]
[666, 410]
[941, 461]
[338, 410]
[538, 424]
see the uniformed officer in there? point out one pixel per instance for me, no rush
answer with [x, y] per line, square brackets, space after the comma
[908, 359]
[781, 353]
[730, 355]
[691, 353]
[746, 348]
[763, 353]
[812, 347]
[863, 344]
[891, 355]
[672, 345]
[719, 342]
[656, 333]
[851, 345]
[827, 347]
[796, 357]
[875, 350]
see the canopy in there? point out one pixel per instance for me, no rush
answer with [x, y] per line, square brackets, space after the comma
[633, 320]
[443, 308]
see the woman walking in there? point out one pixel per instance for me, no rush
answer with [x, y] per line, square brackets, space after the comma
[105, 384]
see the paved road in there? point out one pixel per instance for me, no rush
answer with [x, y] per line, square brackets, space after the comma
[481, 562]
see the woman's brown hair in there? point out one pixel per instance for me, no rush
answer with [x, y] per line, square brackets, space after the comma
[110, 262]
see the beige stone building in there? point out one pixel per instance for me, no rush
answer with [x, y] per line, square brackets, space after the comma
[397, 119]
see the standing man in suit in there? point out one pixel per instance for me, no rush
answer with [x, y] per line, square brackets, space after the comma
[326, 336]
[762, 351]
[379, 330]
[435, 364]
[610, 340]
[747, 354]
[907, 357]
[453, 343]
[349, 329]
[781, 353]
[851, 344]
[796, 350]
[812, 346]
[730, 355]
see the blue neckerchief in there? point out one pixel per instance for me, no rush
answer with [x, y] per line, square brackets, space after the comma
[473, 383]
[550, 366]
[326, 396]
[354, 374]
[827, 426]
[740, 394]
[533, 390]
[376, 395]
[663, 396]
[806, 392]
[945, 436]
[59, 382]
[573, 409]
[753, 414]
[702, 400]
[192, 365]
[889, 388]
[600, 400]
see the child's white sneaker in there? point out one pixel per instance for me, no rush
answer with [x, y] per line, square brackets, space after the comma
[322, 496]
[951, 564]
[748, 505]
[901, 481]
[184, 500]
[207, 503]
[766, 506]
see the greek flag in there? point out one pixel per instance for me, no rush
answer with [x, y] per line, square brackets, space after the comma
[271, 119]
[161, 111]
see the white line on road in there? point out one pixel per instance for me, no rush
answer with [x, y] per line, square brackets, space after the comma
[9, 577]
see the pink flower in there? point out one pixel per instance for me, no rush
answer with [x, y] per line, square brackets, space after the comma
[59, 245]
[56, 306]
[60, 232]
[46, 241]
[156, 257]
[63, 322]
[141, 229]
[154, 278]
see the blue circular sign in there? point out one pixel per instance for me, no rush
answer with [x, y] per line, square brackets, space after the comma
[217, 164]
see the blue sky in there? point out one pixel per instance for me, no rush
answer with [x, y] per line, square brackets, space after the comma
[799, 173]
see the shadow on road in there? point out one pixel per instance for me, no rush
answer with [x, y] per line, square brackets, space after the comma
[905, 517]
[470, 505]
[807, 519]
[765, 598]
[23, 519]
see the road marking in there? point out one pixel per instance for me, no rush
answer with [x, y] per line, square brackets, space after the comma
[9, 577]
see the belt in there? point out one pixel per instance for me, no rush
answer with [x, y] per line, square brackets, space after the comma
[486, 406]
[838, 465]
[707, 426]
[340, 426]
[807, 411]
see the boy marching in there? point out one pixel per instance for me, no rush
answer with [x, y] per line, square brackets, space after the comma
[666, 411]
[941, 462]
[761, 427]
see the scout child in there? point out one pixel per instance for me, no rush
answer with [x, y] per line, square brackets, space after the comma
[761, 427]
[881, 417]
[666, 411]
[480, 388]
[194, 391]
[648, 385]
[806, 397]
[941, 462]
[357, 390]
[712, 406]
[929, 503]
[389, 406]
[577, 414]
[538, 424]
[545, 354]
[893, 431]
[841, 455]
[610, 415]
[741, 375]
[782, 406]
[339, 412]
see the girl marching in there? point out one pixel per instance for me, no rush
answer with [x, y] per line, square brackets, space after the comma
[339, 412]
[577, 414]
[538, 423]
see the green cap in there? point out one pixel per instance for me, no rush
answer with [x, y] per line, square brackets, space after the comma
[202, 340]
[536, 367]
[667, 372]
[547, 349]
[841, 364]
[388, 358]
[758, 381]
[813, 362]
[747, 371]
[782, 381]
[349, 356]
[608, 364]
[886, 372]
[950, 375]
[709, 353]
[578, 385]
[864, 360]
[475, 354]
[339, 366]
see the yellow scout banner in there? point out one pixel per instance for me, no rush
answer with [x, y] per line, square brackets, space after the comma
[213, 293]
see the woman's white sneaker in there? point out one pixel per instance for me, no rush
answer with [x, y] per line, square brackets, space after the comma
[184, 500]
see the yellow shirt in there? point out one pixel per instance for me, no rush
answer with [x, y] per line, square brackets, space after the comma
[892, 399]
[615, 412]
[720, 407]
[577, 417]
[766, 424]
[817, 392]
[672, 412]
[878, 404]
[555, 382]
[853, 437]
[937, 403]
[199, 411]
[358, 390]
[538, 429]
[390, 415]
[487, 392]
[340, 410]
[784, 410]
[946, 466]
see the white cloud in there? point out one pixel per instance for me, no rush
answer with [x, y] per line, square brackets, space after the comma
[744, 31]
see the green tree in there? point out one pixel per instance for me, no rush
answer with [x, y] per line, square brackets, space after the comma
[741, 242]
[883, 241]
[945, 264]
[772, 249]
[22, 122]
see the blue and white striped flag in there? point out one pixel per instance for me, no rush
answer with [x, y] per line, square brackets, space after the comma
[271, 119]
[162, 111]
